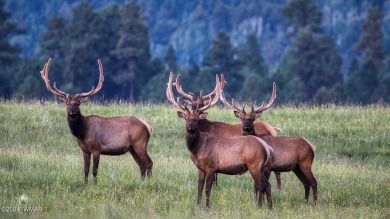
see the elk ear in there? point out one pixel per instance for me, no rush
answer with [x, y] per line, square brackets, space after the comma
[181, 115]
[237, 114]
[203, 115]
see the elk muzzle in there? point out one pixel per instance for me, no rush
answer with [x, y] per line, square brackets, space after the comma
[192, 125]
[247, 125]
[73, 110]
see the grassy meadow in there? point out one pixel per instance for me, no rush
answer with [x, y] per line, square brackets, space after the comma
[41, 166]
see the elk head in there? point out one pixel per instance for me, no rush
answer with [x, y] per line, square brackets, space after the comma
[74, 102]
[192, 119]
[190, 98]
[199, 111]
[248, 119]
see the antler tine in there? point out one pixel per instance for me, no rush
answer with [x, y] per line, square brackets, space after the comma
[171, 97]
[263, 108]
[99, 86]
[179, 89]
[217, 83]
[184, 108]
[223, 82]
[204, 108]
[226, 103]
[213, 101]
[169, 91]
[222, 96]
[243, 107]
[45, 77]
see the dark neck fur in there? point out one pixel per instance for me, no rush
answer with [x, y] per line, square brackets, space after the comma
[192, 139]
[204, 125]
[77, 125]
[249, 132]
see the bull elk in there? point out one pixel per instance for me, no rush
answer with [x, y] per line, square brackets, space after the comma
[289, 153]
[215, 154]
[218, 128]
[103, 136]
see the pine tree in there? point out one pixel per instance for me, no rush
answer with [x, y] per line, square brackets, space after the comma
[361, 82]
[110, 18]
[132, 50]
[250, 58]
[9, 54]
[154, 89]
[312, 59]
[27, 82]
[371, 43]
[219, 59]
[222, 18]
[165, 24]
[363, 85]
[170, 59]
[84, 44]
[299, 14]
[52, 41]
[352, 82]
[54, 44]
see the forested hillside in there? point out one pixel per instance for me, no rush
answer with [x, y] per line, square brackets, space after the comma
[316, 51]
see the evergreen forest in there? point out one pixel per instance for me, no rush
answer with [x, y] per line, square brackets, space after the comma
[316, 51]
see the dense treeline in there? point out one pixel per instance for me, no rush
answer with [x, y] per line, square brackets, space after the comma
[310, 68]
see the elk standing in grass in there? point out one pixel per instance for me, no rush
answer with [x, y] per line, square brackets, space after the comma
[214, 154]
[220, 128]
[289, 153]
[107, 136]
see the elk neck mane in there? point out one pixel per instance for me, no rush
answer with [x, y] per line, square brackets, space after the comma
[251, 132]
[192, 139]
[77, 126]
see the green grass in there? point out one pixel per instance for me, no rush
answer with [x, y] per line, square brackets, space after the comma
[42, 166]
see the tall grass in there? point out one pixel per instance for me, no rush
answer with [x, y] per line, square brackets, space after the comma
[41, 166]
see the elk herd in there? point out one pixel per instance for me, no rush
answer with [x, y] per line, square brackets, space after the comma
[214, 147]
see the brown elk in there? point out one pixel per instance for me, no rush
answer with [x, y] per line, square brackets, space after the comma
[232, 156]
[289, 153]
[220, 128]
[103, 136]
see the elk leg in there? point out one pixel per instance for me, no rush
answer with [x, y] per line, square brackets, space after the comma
[267, 174]
[215, 180]
[268, 191]
[304, 181]
[209, 184]
[311, 181]
[96, 158]
[278, 181]
[87, 163]
[257, 178]
[255, 191]
[201, 179]
[139, 162]
[147, 163]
